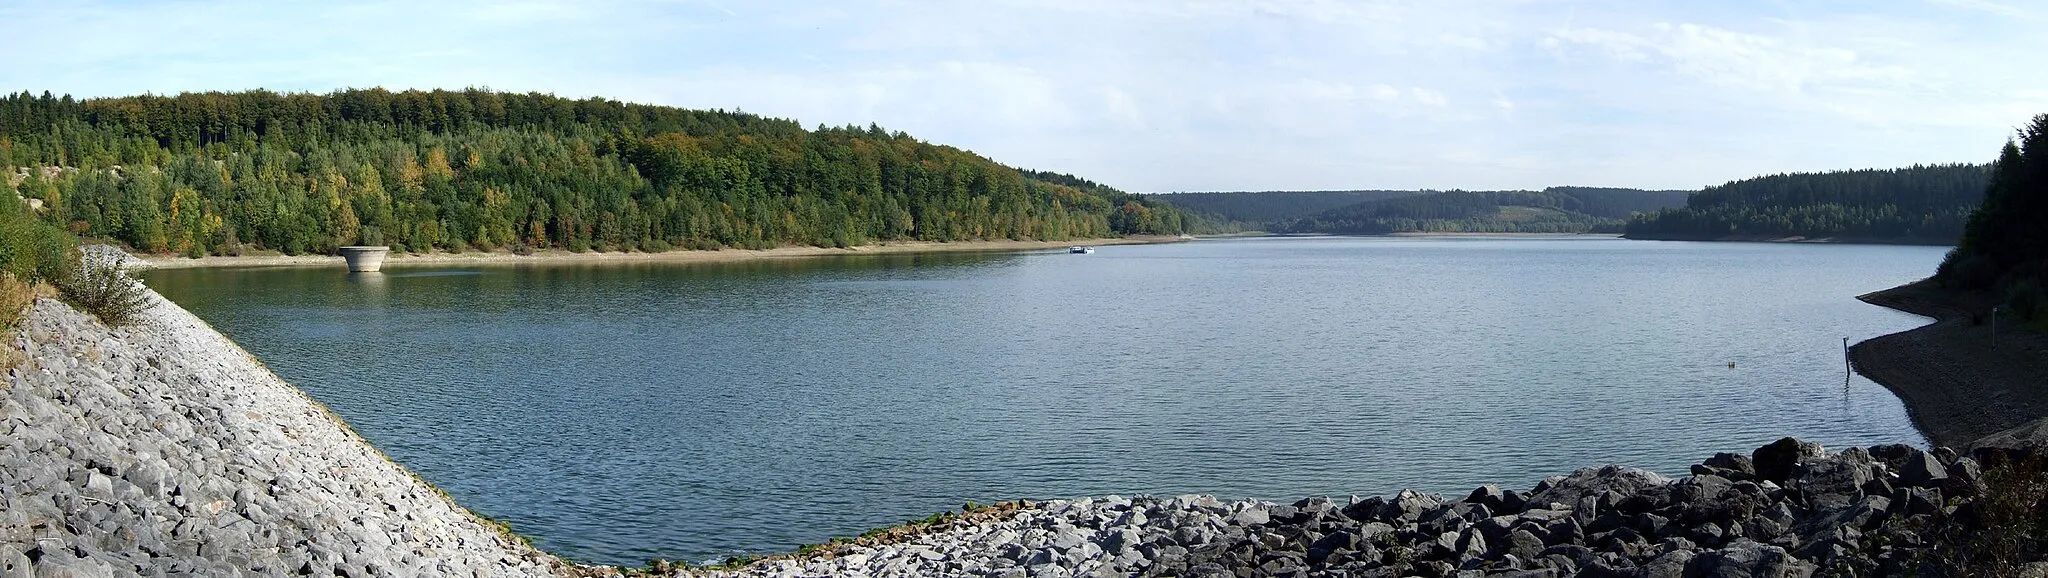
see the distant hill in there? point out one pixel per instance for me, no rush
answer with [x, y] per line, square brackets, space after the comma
[220, 173]
[1553, 210]
[1612, 203]
[1918, 204]
[1257, 209]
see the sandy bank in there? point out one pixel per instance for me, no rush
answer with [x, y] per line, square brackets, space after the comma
[1514, 235]
[1956, 385]
[685, 256]
[1940, 242]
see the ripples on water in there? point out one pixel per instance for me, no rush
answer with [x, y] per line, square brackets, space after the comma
[623, 412]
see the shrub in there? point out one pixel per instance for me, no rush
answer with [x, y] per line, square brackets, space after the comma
[14, 298]
[99, 286]
[2003, 523]
[2026, 298]
[30, 249]
[655, 246]
[1977, 272]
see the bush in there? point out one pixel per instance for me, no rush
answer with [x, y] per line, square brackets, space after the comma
[2026, 298]
[2004, 522]
[655, 246]
[30, 249]
[14, 299]
[1977, 272]
[99, 286]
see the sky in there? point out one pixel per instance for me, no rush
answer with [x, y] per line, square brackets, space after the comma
[1162, 96]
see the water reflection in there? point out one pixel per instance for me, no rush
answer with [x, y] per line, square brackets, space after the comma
[620, 412]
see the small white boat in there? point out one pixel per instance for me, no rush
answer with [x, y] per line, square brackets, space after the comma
[1079, 250]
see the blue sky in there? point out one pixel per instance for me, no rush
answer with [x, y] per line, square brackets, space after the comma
[1168, 96]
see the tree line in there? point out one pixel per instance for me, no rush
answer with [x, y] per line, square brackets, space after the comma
[1922, 204]
[223, 173]
[1552, 210]
[1259, 210]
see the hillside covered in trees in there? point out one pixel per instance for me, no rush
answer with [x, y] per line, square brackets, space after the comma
[1919, 204]
[1552, 210]
[218, 173]
[2003, 248]
[1256, 210]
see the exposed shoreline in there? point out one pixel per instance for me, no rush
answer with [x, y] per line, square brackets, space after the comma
[1796, 239]
[1957, 387]
[594, 257]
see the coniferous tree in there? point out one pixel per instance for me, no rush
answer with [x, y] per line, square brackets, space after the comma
[2004, 248]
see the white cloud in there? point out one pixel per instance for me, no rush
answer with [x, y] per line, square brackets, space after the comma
[1166, 94]
[2001, 9]
[1427, 97]
[1733, 59]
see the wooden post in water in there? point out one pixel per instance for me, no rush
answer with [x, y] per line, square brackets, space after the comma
[1848, 369]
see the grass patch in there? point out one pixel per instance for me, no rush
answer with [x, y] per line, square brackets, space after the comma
[15, 297]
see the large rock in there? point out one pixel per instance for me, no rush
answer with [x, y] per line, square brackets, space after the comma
[1774, 462]
[2032, 435]
[1747, 560]
[1595, 482]
[1921, 469]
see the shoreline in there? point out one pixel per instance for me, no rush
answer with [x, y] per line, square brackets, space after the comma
[1958, 389]
[557, 256]
[1796, 239]
[1465, 234]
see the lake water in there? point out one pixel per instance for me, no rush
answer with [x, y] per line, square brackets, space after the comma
[618, 413]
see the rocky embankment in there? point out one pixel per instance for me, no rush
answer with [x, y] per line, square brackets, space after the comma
[163, 449]
[1786, 510]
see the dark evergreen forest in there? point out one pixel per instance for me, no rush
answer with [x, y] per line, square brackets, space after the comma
[1258, 210]
[2004, 246]
[1552, 210]
[1919, 204]
[221, 173]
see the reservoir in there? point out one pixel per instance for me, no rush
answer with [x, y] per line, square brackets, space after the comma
[617, 413]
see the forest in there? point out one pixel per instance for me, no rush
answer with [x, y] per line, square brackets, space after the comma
[1919, 204]
[225, 173]
[1552, 210]
[1257, 210]
[2003, 247]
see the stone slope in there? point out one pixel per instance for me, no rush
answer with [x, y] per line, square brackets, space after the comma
[165, 449]
[1787, 510]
